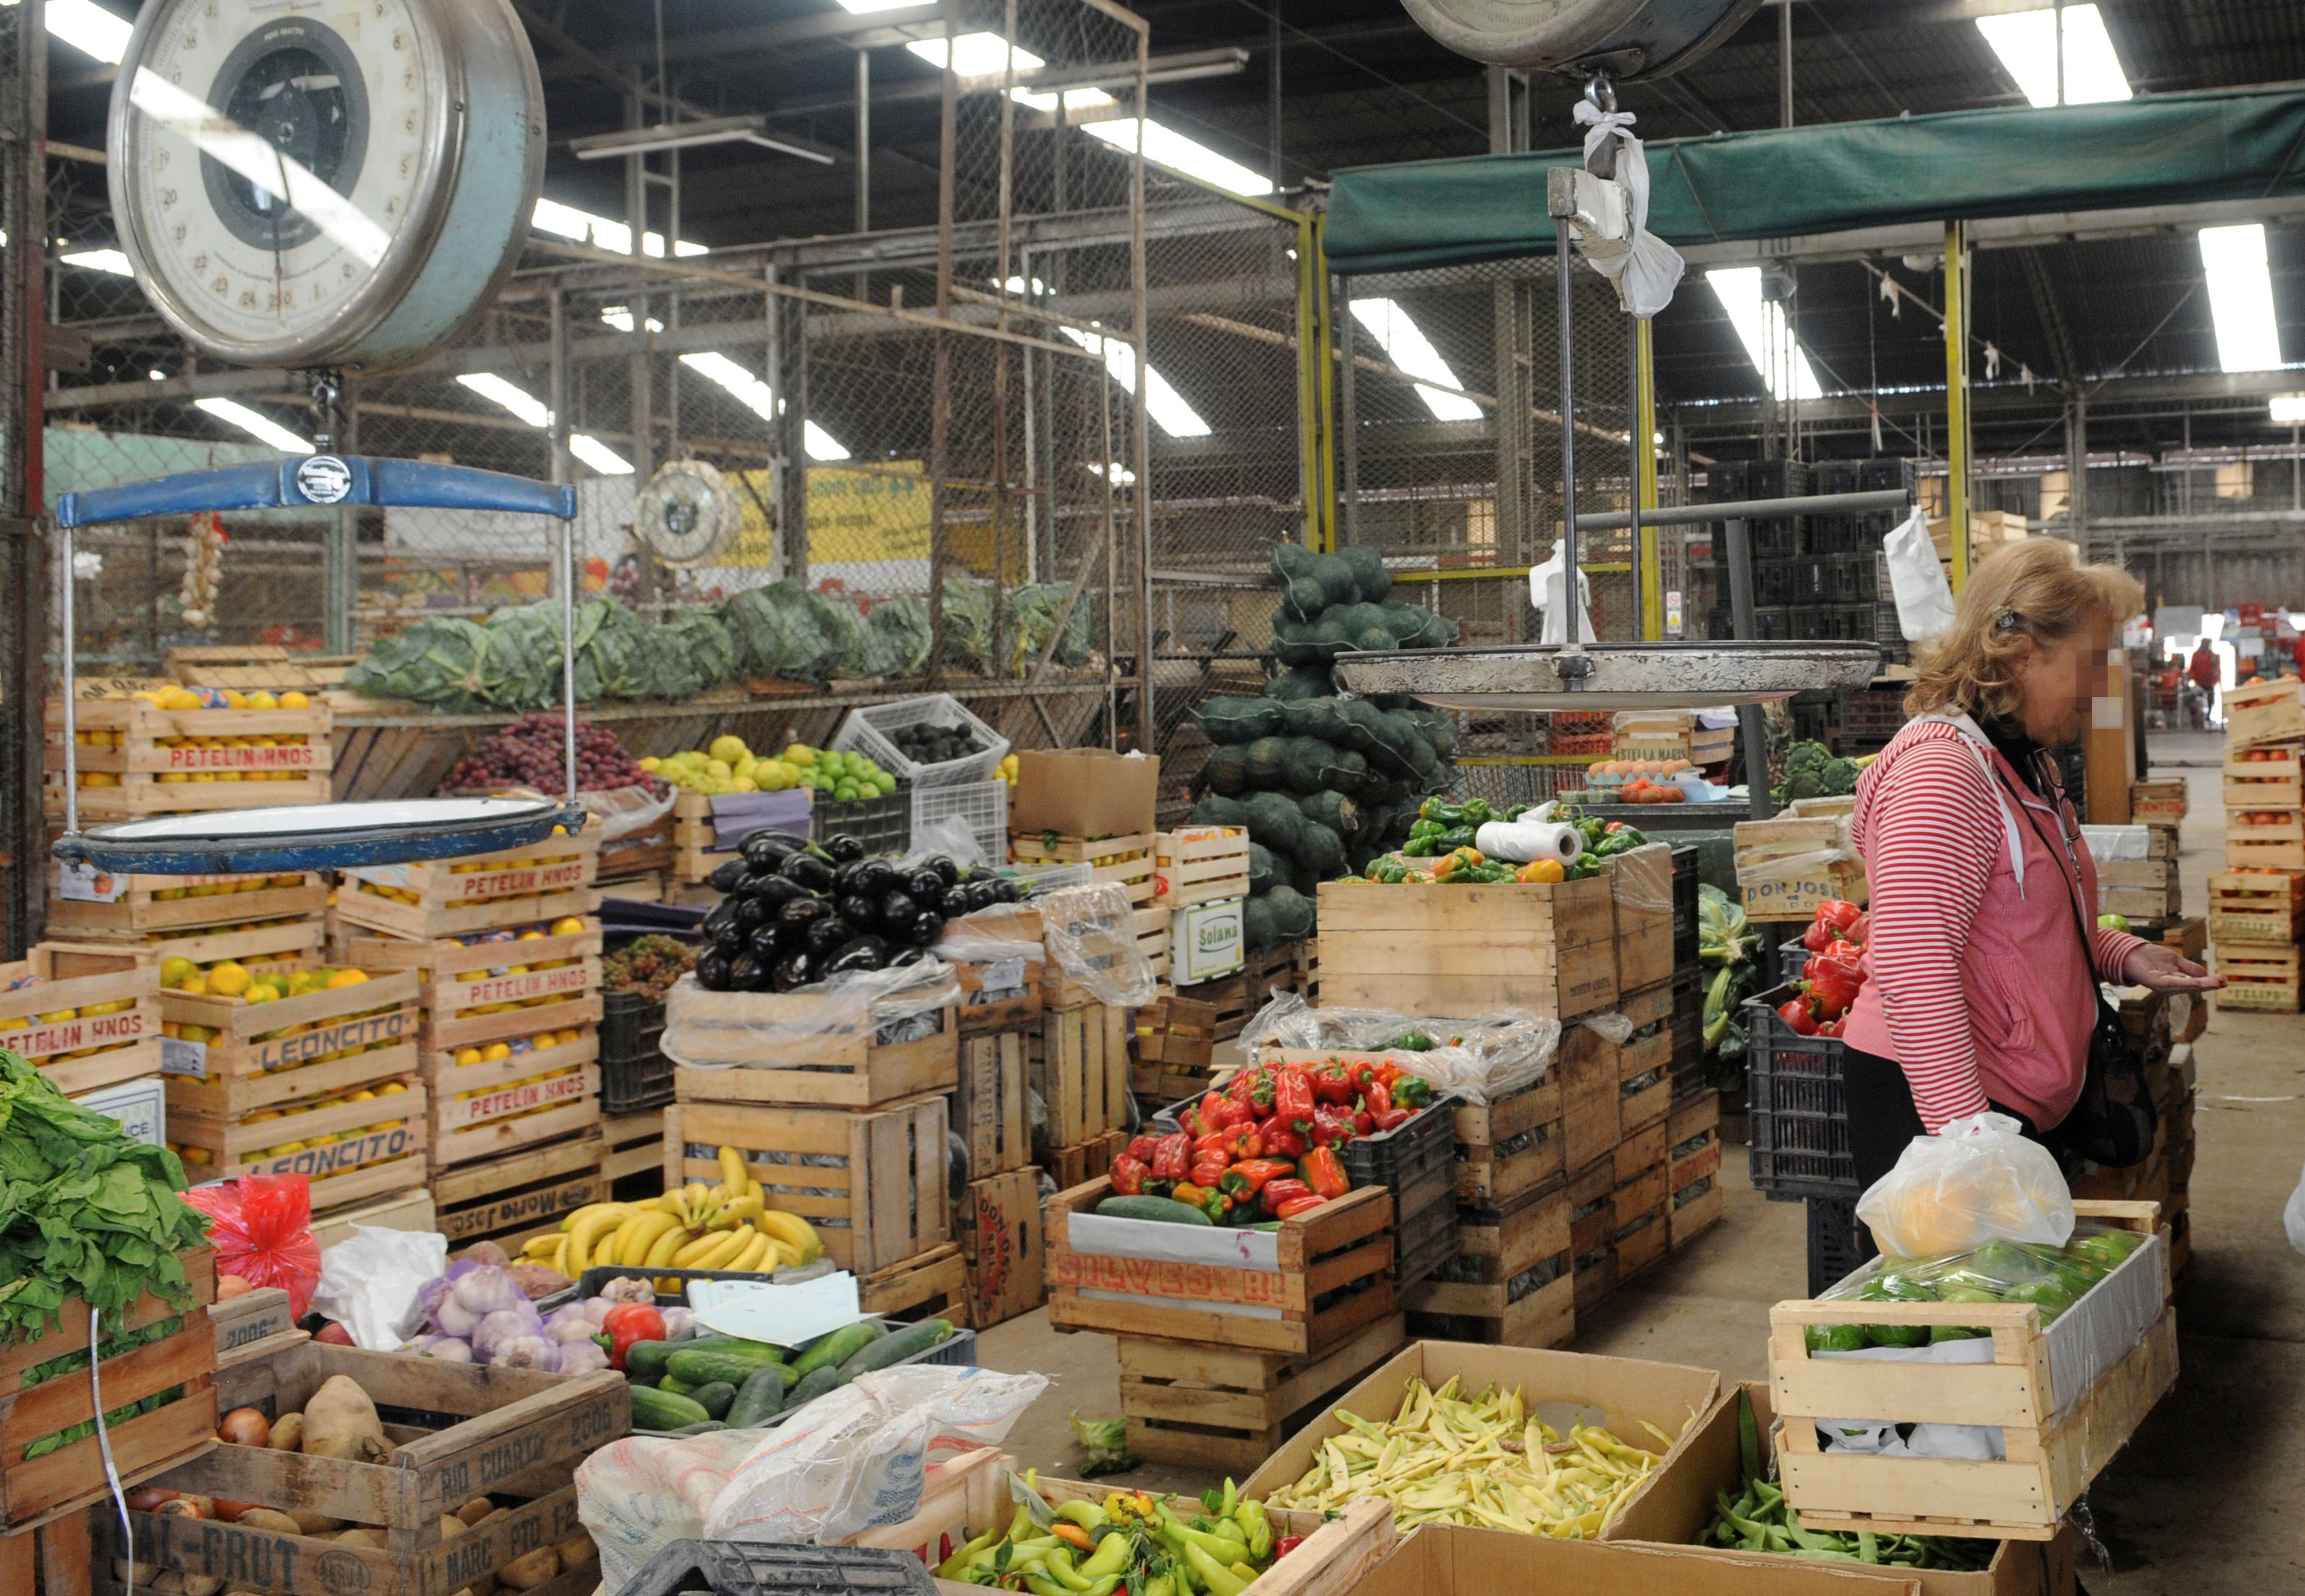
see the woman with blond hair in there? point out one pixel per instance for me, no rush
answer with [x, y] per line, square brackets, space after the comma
[1983, 950]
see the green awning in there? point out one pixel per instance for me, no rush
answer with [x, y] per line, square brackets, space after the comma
[1779, 182]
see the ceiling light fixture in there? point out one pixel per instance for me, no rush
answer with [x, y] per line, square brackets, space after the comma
[1761, 327]
[1166, 147]
[756, 396]
[89, 29]
[531, 410]
[2241, 297]
[1406, 345]
[2289, 408]
[100, 261]
[566, 221]
[255, 423]
[2026, 43]
[1167, 408]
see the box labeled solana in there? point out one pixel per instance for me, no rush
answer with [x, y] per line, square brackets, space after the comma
[1206, 941]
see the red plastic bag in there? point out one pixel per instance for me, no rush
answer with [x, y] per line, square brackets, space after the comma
[261, 1227]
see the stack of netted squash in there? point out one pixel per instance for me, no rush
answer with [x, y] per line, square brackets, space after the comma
[1323, 783]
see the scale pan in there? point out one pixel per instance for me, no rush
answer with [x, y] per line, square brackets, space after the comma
[1695, 676]
[317, 836]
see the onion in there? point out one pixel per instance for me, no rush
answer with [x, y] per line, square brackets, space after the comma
[231, 1285]
[179, 1507]
[244, 1426]
[146, 1498]
[231, 1511]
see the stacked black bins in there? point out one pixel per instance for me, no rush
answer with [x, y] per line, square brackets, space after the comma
[1798, 1126]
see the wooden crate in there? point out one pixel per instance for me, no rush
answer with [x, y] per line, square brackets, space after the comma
[2051, 1459]
[2157, 803]
[488, 1109]
[1343, 1247]
[1201, 864]
[1225, 1410]
[635, 1145]
[246, 667]
[1000, 1236]
[1592, 1097]
[36, 1490]
[2264, 778]
[989, 1108]
[2258, 975]
[1774, 892]
[352, 1153]
[1073, 1165]
[410, 1210]
[883, 1203]
[514, 1435]
[255, 1324]
[805, 1049]
[1078, 1061]
[1441, 951]
[1592, 1228]
[1644, 1081]
[525, 1191]
[1522, 1295]
[1642, 1212]
[1177, 1036]
[272, 945]
[450, 958]
[259, 1054]
[143, 906]
[564, 997]
[2256, 906]
[1125, 860]
[542, 881]
[1641, 883]
[1003, 994]
[1510, 1148]
[696, 845]
[1694, 1135]
[2264, 712]
[155, 766]
[643, 853]
[934, 1285]
[85, 1031]
[2244, 851]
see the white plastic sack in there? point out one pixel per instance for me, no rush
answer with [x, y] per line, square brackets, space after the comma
[1977, 1181]
[638, 1495]
[1647, 275]
[370, 1285]
[1545, 591]
[858, 1456]
[1924, 598]
[2293, 1216]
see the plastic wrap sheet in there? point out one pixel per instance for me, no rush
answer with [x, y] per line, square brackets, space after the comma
[1090, 933]
[702, 1028]
[624, 812]
[1610, 1026]
[1642, 877]
[1977, 1181]
[2119, 844]
[990, 936]
[1493, 1056]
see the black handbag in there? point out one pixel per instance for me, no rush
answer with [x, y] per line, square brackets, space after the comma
[2115, 1121]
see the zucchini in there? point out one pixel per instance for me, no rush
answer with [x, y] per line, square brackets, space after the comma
[898, 1345]
[1158, 1209]
[655, 1409]
[815, 1384]
[833, 1350]
[715, 1397]
[732, 1360]
[760, 1398]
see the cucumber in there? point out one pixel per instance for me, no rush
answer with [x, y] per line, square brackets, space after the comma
[1159, 1209]
[662, 1410]
[707, 1428]
[833, 1350]
[678, 1388]
[815, 1384]
[896, 1347]
[714, 1398]
[646, 1360]
[732, 1360]
[760, 1398]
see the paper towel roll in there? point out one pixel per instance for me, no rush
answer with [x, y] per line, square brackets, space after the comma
[1522, 842]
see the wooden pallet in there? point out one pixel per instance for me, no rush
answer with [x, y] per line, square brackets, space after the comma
[1225, 1410]
[1071, 1167]
[1441, 951]
[1125, 860]
[2256, 906]
[933, 1285]
[2262, 976]
[1001, 1236]
[82, 1030]
[877, 1193]
[1201, 864]
[635, 1144]
[812, 1050]
[137, 906]
[989, 1108]
[1077, 1060]
[522, 1191]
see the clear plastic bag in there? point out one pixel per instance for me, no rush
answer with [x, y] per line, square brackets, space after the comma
[993, 936]
[1090, 933]
[625, 812]
[1642, 878]
[261, 1227]
[1976, 1181]
[2292, 1216]
[799, 1030]
[638, 1495]
[1484, 1060]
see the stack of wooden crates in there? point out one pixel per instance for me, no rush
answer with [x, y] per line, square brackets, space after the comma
[504, 949]
[999, 1020]
[2254, 902]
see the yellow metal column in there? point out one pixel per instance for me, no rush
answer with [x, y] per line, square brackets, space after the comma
[1957, 440]
[1643, 442]
[1317, 386]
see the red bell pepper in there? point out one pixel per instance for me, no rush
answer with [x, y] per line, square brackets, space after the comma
[1832, 979]
[1172, 1157]
[1281, 1142]
[1209, 1169]
[1794, 1012]
[1245, 1181]
[1143, 1148]
[1364, 1122]
[1129, 1175]
[1242, 1142]
[1242, 1084]
[1412, 1092]
[1361, 1070]
[1378, 1095]
[1324, 1172]
[1285, 1545]
[1393, 1119]
[627, 1323]
[1818, 937]
[1298, 1205]
[1332, 1126]
[1839, 917]
[1220, 1113]
[1330, 1084]
[1274, 1192]
[1292, 1101]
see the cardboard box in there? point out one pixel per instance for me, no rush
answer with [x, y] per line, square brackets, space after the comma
[1447, 1560]
[1083, 791]
[1621, 1391]
[1206, 941]
[2109, 745]
[1678, 1506]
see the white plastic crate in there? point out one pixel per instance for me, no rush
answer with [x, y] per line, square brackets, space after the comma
[982, 806]
[867, 731]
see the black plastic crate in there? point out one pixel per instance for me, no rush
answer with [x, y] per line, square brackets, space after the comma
[1812, 623]
[1888, 631]
[1780, 537]
[1777, 478]
[883, 825]
[1800, 1115]
[635, 1074]
[1685, 898]
[1877, 476]
[1853, 622]
[1833, 535]
[1838, 1243]
[1875, 714]
[1725, 480]
[759, 1568]
[1417, 1162]
[1772, 622]
[1832, 476]
[1427, 1238]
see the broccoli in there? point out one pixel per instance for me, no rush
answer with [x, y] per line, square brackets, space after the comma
[1839, 778]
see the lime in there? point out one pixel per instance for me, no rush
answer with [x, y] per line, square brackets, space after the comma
[1833, 1338]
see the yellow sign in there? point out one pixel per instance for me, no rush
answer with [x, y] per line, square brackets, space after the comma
[856, 515]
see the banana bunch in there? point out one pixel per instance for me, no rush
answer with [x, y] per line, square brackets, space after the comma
[727, 1226]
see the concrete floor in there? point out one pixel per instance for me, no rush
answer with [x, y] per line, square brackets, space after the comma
[2199, 1503]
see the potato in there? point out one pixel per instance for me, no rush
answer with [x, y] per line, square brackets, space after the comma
[575, 1551]
[270, 1520]
[143, 1574]
[315, 1524]
[288, 1433]
[451, 1526]
[203, 1585]
[341, 1421]
[526, 1572]
[363, 1535]
[475, 1510]
[171, 1583]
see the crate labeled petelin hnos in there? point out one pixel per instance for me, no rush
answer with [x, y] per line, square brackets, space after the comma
[137, 758]
[87, 902]
[542, 881]
[82, 1031]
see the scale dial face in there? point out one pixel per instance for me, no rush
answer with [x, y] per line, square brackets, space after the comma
[688, 514]
[324, 182]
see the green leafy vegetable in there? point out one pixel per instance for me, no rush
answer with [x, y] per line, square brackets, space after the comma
[1106, 1442]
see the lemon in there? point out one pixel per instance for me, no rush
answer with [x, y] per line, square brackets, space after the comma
[196, 1155]
[496, 1052]
[261, 1115]
[729, 750]
[194, 985]
[347, 977]
[468, 1056]
[260, 700]
[261, 993]
[568, 928]
[229, 980]
[295, 701]
[391, 1088]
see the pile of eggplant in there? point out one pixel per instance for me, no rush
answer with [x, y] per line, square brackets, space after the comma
[797, 913]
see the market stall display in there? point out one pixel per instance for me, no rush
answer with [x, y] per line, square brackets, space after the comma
[529, 753]
[727, 1226]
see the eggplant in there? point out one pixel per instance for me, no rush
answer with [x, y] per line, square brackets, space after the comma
[905, 957]
[826, 934]
[712, 969]
[898, 912]
[731, 941]
[925, 886]
[843, 848]
[775, 891]
[927, 926]
[752, 912]
[1006, 891]
[766, 943]
[944, 867]
[747, 973]
[866, 877]
[725, 876]
[768, 848]
[858, 909]
[864, 953]
[722, 917]
[808, 870]
[967, 898]
[795, 970]
[802, 912]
